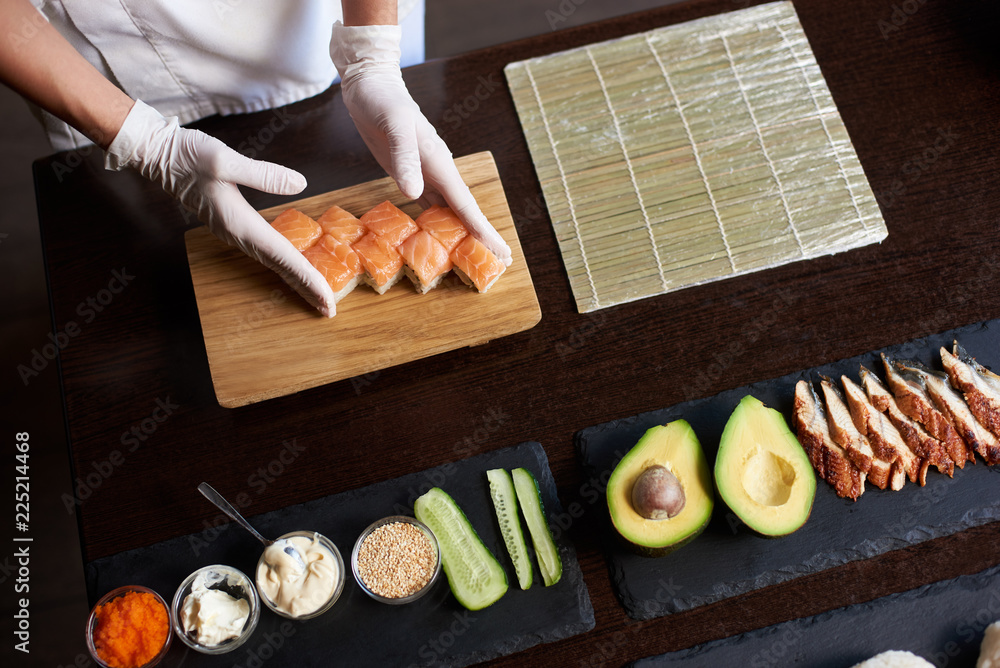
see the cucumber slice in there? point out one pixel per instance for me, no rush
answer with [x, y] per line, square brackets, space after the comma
[505, 505]
[549, 562]
[475, 576]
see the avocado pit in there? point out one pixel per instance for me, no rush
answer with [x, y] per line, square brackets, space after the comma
[658, 494]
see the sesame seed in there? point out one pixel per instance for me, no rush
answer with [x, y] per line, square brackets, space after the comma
[396, 560]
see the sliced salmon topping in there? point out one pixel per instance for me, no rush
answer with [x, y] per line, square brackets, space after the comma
[298, 228]
[388, 222]
[380, 260]
[426, 257]
[341, 225]
[444, 225]
[338, 263]
[475, 264]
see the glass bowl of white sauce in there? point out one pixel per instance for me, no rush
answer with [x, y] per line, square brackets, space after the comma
[215, 609]
[297, 593]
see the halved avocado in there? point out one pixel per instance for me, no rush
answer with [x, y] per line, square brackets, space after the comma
[675, 449]
[762, 472]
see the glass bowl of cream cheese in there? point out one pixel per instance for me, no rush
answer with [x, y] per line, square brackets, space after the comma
[295, 592]
[215, 609]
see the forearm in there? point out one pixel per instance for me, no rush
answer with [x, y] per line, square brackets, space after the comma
[43, 67]
[369, 12]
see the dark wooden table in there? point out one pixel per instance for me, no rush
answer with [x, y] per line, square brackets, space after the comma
[136, 379]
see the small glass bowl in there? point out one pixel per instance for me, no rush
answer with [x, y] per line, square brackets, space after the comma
[111, 595]
[390, 520]
[230, 580]
[338, 586]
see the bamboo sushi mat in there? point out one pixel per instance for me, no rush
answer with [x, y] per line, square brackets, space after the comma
[691, 153]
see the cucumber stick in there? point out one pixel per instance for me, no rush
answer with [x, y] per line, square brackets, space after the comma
[549, 562]
[475, 576]
[505, 505]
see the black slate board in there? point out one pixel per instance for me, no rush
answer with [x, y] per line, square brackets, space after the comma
[728, 559]
[942, 622]
[358, 631]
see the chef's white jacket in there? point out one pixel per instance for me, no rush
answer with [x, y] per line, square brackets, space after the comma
[196, 58]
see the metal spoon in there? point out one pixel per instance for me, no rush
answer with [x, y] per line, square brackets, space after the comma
[209, 493]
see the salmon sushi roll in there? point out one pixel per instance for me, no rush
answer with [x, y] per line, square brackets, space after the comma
[382, 264]
[390, 223]
[339, 264]
[426, 261]
[341, 225]
[444, 225]
[476, 265]
[298, 228]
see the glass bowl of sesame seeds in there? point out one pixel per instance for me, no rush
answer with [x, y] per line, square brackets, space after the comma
[396, 560]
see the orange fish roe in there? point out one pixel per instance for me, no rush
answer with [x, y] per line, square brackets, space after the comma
[130, 630]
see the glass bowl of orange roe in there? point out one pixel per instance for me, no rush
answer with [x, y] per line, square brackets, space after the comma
[129, 628]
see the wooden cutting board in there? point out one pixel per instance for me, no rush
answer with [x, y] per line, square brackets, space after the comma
[265, 341]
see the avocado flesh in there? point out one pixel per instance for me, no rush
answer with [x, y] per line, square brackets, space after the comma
[761, 471]
[676, 448]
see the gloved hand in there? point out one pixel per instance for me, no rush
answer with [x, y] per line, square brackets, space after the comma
[397, 133]
[203, 173]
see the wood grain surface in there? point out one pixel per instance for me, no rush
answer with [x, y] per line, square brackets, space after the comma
[263, 341]
[922, 108]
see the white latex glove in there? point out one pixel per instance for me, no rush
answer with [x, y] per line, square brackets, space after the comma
[203, 173]
[397, 133]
